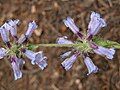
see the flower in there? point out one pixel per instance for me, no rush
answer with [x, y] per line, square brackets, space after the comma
[31, 27]
[16, 65]
[13, 27]
[85, 44]
[36, 58]
[70, 23]
[105, 52]
[90, 66]
[96, 23]
[67, 63]
[4, 34]
[24, 37]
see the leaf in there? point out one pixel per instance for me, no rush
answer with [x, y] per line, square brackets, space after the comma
[32, 47]
[106, 43]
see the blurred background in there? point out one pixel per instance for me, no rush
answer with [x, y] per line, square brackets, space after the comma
[49, 15]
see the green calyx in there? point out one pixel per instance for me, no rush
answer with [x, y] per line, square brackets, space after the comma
[82, 46]
[14, 50]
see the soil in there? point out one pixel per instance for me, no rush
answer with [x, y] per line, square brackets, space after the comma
[49, 15]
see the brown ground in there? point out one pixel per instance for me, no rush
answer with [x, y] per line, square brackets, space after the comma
[49, 15]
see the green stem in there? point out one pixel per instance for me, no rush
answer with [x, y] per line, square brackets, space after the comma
[55, 45]
[31, 47]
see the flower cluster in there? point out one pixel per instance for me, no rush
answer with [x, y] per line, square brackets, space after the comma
[82, 46]
[16, 49]
[95, 24]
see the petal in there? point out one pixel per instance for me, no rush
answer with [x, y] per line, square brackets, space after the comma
[63, 40]
[13, 23]
[110, 53]
[96, 23]
[31, 27]
[6, 26]
[90, 66]
[3, 52]
[94, 14]
[40, 60]
[67, 63]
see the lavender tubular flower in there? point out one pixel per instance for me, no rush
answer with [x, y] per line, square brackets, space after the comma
[90, 66]
[104, 51]
[63, 40]
[4, 34]
[3, 52]
[70, 23]
[67, 63]
[31, 27]
[13, 27]
[36, 58]
[16, 65]
[95, 24]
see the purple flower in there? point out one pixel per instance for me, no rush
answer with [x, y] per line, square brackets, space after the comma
[24, 37]
[63, 40]
[31, 27]
[3, 52]
[70, 23]
[95, 24]
[4, 34]
[105, 52]
[67, 63]
[13, 27]
[36, 58]
[90, 66]
[16, 65]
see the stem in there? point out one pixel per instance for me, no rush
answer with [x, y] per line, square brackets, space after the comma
[31, 46]
[55, 45]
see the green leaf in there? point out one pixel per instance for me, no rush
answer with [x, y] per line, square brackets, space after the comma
[32, 47]
[106, 43]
